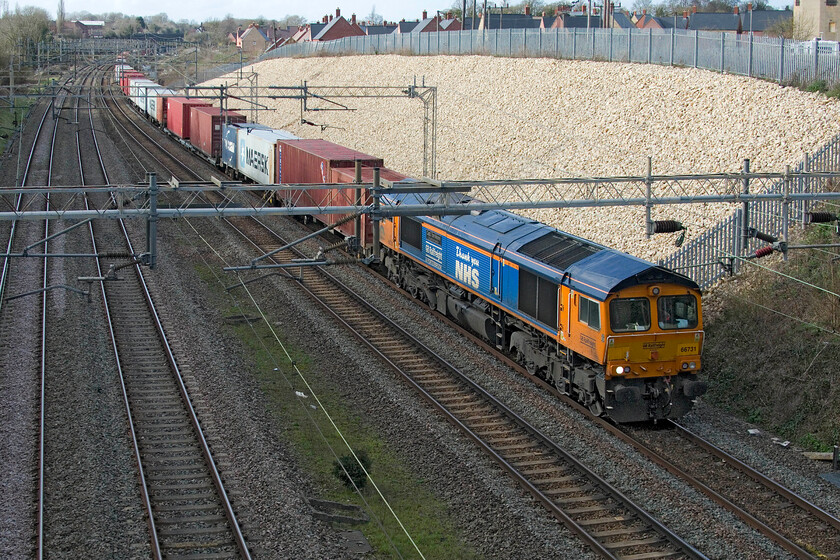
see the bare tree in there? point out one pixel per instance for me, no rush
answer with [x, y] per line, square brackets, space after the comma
[373, 18]
[59, 19]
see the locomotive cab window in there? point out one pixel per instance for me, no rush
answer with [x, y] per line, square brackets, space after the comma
[589, 313]
[629, 314]
[677, 312]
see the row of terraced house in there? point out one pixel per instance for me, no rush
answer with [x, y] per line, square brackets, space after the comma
[256, 40]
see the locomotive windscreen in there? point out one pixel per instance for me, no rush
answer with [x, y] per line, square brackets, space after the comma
[558, 250]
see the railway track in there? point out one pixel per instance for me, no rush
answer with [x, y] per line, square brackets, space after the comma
[798, 526]
[607, 521]
[190, 513]
[511, 445]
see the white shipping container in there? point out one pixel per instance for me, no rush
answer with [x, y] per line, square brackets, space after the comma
[119, 69]
[256, 153]
[143, 90]
[137, 90]
[154, 99]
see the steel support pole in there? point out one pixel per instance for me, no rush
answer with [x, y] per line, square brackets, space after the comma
[745, 214]
[357, 224]
[151, 224]
[375, 218]
[648, 187]
[786, 211]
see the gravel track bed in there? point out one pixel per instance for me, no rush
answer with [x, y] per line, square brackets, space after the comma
[92, 497]
[715, 532]
[492, 513]
[19, 382]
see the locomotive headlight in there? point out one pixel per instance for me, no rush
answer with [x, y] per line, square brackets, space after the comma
[685, 365]
[619, 370]
[692, 365]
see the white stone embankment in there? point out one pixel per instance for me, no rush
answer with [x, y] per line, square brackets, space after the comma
[516, 118]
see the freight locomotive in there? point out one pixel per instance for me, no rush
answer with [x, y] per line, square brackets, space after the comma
[619, 334]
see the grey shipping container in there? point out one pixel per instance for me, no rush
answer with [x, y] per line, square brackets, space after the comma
[256, 152]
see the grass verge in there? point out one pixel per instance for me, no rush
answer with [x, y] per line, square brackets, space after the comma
[311, 435]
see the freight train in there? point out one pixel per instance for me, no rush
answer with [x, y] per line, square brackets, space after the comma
[620, 335]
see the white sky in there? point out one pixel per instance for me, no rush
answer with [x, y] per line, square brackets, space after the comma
[199, 10]
[312, 10]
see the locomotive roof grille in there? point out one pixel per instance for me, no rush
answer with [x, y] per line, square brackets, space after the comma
[558, 250]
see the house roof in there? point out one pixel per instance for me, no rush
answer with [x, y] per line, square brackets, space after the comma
[405, 26]
[622, 21]
[762, 20]
[253, 29]
[378, 29]
[425, 24]
[91, 23]
[579, 22]
[332, 23]
[669, 22]
[510, 21]
[704, 21]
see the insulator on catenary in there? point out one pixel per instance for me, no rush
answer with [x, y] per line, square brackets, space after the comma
[819, 217]
[766, 237]
[667, 226]
[763, 252]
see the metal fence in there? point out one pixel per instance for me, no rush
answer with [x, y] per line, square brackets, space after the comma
[769, 58]
[720, 250]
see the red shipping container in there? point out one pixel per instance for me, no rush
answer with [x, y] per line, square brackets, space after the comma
[161, 109]
[178, 114]
[206, 124]
[311, 161]
[127, 77]
[347, 197]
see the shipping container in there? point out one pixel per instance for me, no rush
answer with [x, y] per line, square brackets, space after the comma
[119, 69]
[229, 141]
[256, 150]
[140, 91]
[157, 106]
[127, 77]
[312, 161]
[206, 124]
[347, 197]
[178, 114]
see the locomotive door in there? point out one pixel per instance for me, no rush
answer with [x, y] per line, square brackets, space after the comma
[496, 269]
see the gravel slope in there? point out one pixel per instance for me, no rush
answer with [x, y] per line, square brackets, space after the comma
[525, 118]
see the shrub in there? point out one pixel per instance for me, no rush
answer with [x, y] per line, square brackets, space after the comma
[350, 472]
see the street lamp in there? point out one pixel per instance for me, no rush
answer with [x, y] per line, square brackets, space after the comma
[749, 9]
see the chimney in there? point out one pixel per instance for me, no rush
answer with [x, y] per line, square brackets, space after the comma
[644, 12]
[694, 9]
[527, 9]
[448, 15]
[584, 8]
[337, 13]
[425, 15]
[353, 19]
[557, 11]
[543, 14]
[685, 13]
[331, 18]
[735, 11]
